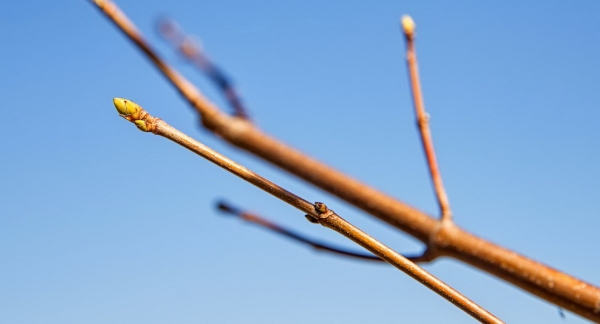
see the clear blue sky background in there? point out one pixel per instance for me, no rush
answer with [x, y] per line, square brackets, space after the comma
[101, 223]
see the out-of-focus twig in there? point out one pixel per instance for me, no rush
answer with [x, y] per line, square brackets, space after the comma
[545, 282]
[191, 49]
[264, 223]
[408, 26]
[316, 213]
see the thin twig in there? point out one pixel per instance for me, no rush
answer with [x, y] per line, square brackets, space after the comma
[192, 51]
[408, 26]
[264, 223]
[255, 219]
[316, 213]
[545, 282]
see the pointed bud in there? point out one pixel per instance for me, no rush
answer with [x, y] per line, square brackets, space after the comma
[126, 107]
[321, 207]
[408, 25]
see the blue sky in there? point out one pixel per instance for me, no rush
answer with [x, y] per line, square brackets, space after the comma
[102, 223]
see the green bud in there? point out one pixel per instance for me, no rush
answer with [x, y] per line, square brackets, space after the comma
[141, 125]
[126, 107]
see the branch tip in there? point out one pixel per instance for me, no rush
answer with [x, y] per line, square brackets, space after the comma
[227, 209]
[126, 107]
[167, 27]
[136, 114]
[408, 26]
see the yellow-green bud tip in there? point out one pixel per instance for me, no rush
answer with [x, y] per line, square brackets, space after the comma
[408, 25]
[126, 107]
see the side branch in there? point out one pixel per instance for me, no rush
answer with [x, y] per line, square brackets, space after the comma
[317, 212]
[255, 219]
[271, 226]
[408, 27]
[192, 51]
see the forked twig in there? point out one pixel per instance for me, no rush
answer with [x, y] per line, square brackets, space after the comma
[541, 280]
[408, 26]
[192, 51]
[316, 213]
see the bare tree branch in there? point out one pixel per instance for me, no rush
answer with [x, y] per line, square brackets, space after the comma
[192, 51]
[271, 226]
[408, 27]
[316, 213]
[444, 239]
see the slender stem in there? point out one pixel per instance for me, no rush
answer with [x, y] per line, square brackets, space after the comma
[195, 55]
[273, 227]
[331, 220]
[317, 212]
[543, 281]
[408, 26]
[255, 219]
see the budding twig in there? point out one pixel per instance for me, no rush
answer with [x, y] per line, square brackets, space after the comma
[408, 26]
[193, 52]
[316, 213]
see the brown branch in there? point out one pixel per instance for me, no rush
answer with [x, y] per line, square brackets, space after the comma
[408, 27]
[316, 213]
[192, 51]
[552, 285]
